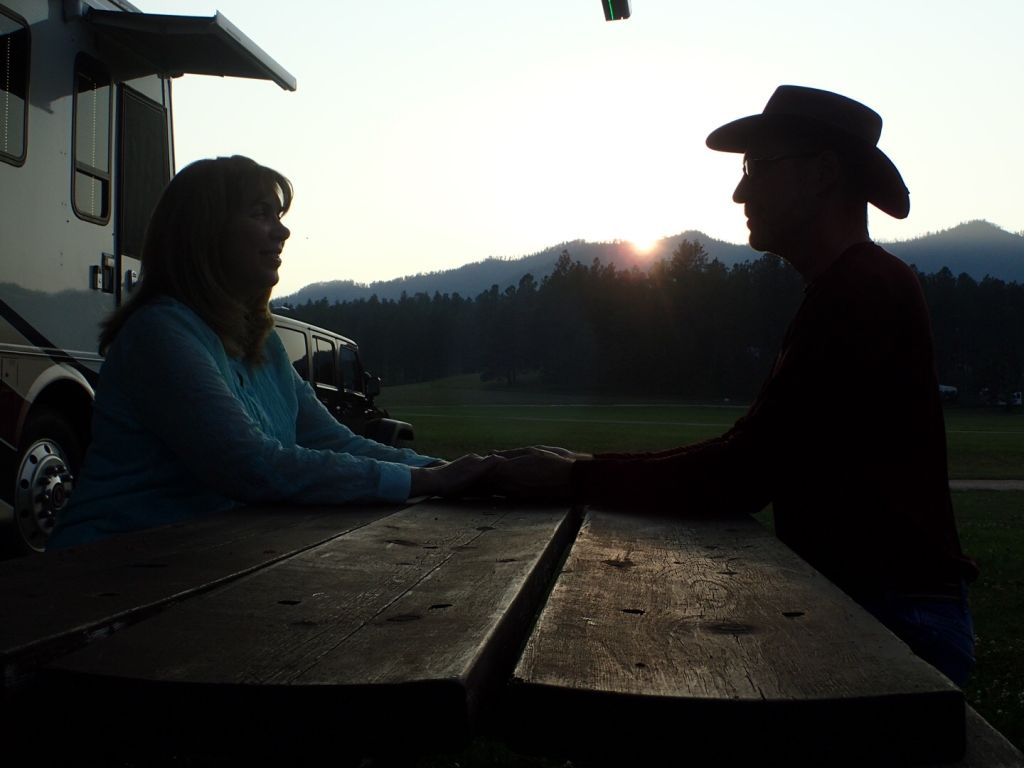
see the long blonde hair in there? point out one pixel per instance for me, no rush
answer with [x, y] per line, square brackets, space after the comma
[183, 253]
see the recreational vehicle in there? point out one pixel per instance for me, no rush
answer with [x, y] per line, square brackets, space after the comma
[86, 147]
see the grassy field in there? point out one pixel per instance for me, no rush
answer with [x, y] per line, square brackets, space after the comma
[459, 415]
[992, 531]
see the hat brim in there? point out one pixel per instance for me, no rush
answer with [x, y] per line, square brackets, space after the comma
[880, 180]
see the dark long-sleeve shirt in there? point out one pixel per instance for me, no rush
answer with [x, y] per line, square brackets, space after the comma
[846, 439]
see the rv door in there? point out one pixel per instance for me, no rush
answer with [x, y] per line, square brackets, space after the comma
[143, 172]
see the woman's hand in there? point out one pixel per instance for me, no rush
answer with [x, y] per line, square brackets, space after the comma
[452, 478]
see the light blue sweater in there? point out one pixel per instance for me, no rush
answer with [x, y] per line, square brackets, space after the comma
[181, 430]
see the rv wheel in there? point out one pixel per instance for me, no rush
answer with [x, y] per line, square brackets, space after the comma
[51, 454]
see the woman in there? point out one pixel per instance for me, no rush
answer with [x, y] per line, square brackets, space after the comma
[198, 408]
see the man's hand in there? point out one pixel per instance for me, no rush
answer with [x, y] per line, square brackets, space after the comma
[516, 453]
[534, 474]
[452, 478]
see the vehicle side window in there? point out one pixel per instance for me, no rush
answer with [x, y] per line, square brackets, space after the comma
[295, 345]
[348, 364]
[14, 62]
[324, 364]
[90, 186]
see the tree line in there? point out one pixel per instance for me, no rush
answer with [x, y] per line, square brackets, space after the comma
[689, 327]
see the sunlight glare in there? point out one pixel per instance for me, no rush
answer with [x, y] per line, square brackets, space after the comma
[644, 246]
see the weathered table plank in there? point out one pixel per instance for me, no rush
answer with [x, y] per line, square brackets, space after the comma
[986, 747]
[399, 627]
[710, 639]
[61, 600]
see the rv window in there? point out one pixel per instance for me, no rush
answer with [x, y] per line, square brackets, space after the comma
[14, 60]
[323, 362]
[91, 184]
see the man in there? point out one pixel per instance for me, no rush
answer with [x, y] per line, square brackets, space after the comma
[846, 438]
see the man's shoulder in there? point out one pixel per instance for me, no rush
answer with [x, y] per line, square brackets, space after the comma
[870, 265]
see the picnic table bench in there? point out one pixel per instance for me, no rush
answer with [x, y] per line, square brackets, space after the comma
[602, 636]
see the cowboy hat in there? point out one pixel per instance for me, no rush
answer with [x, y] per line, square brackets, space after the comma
[828, 120]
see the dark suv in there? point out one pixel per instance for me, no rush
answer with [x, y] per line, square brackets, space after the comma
[331, 364]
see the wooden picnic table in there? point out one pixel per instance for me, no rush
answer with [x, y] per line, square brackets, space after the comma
[404, 631]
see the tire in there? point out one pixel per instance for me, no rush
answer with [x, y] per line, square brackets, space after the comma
[48, 460]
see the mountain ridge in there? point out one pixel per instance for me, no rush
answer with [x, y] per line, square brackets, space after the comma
[978, 248]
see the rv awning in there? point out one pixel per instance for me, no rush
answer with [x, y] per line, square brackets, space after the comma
[174, 45]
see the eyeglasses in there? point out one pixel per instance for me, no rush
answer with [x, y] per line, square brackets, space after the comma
[751, 164]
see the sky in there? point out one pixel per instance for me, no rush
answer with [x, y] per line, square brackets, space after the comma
[427, 135]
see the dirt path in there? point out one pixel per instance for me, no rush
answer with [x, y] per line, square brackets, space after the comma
[986, 485]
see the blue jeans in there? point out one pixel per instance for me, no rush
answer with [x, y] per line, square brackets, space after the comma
[939, 631]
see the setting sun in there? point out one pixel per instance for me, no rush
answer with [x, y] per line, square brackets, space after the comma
[644, 246]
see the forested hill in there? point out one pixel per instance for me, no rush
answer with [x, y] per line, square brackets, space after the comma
[978, 248]
[689, 327]
[471, 279]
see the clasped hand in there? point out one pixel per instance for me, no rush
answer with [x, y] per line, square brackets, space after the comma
[539, 472]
